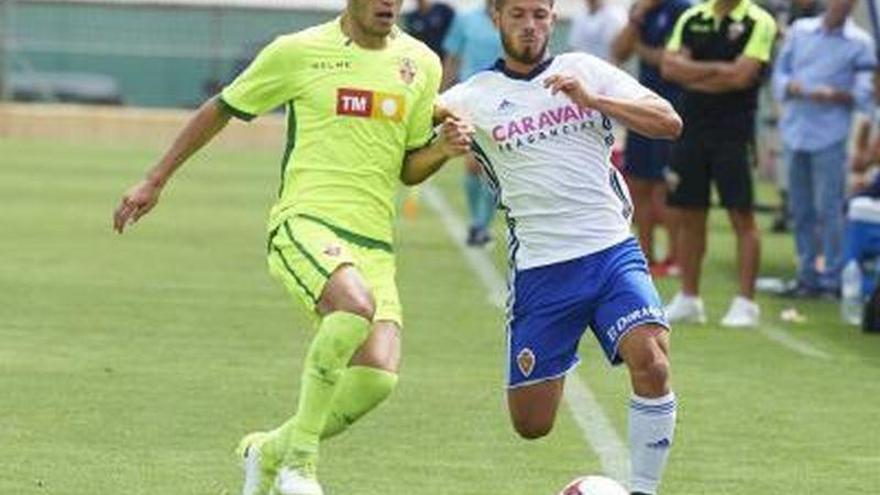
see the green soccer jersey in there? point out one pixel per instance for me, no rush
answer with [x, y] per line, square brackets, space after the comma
[352, 113]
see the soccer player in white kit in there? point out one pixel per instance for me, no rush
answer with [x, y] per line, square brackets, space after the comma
[544, 136]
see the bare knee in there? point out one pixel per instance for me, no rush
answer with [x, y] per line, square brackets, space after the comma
[346, 291]
[531, 429]
[533, 408]
[382, 348]
[651, 378]
[645, 351]
[359, 303]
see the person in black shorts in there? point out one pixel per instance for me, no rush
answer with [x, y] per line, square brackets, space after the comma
[646, 160]
[717, 53]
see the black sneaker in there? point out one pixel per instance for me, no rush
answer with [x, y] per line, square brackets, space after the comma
[472, 237]
[479, 237]
[799, 290]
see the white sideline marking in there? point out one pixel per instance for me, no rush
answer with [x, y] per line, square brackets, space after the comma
[793, 343]
[595, 426]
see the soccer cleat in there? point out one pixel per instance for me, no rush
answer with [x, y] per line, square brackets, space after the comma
[743, 313]
[260, 463]
[685, 309]
[299, 480]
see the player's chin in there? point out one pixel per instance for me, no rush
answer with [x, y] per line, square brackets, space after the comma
[381, 28]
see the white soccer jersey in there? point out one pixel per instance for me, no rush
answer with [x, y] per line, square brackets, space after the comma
[549, 160]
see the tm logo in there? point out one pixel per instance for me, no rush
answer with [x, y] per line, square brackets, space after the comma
[370, 104]
[354, 102]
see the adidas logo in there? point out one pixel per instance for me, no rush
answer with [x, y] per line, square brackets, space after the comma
[662, 444]
[506, 105]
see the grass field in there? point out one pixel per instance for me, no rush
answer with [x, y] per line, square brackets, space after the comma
[133, 364]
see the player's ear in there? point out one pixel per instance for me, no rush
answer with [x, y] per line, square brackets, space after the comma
[496, 16]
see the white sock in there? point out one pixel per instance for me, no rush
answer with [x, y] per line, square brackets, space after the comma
[651, 432]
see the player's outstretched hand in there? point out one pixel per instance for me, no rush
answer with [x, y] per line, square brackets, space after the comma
[137, 202]
[571, 87]
[457, 136]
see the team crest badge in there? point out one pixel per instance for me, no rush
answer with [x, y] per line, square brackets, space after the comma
[407, 70]
[526, 361]
[735, 30]
[333, 250]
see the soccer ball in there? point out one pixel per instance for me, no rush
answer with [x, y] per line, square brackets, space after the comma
[594, 485]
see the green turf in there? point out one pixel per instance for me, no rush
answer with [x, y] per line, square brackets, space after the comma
[133, 364]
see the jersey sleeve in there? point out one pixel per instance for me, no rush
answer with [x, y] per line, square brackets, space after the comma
[760, 44]
[264, 84]
[453, 99]
[420, 128]
[606, 79]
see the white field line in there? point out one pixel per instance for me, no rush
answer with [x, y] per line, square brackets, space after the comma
[793, 343]
[595, 426]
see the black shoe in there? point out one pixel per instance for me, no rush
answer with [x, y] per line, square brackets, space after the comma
[472, 237]
[640, 493]
[780, 225]
[479, 237]
[799, 290]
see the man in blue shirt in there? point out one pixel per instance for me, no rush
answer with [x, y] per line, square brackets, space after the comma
[473, 44]
[429, 23]
[822, 74]
[650, 24]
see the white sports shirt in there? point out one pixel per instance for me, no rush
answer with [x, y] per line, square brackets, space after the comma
[549, 160]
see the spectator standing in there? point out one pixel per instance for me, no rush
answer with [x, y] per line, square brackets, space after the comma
[429, 23]
[823, 73]
[646, 160]
[595, 27]
[473, 44]
[717, 53]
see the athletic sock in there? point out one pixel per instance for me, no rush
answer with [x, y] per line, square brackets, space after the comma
[651, 432]
[360, 390]
[339, 336]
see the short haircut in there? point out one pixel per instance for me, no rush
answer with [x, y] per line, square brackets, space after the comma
[499, 4]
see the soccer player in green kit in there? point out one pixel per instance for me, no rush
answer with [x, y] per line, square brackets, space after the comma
[359, 95]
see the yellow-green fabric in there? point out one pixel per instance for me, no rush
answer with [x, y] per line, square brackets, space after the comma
[760, 43]
[360, 390]
[339, 336]
[352, 114]
[304, 251]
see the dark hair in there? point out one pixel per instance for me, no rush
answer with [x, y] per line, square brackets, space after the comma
[499, 4]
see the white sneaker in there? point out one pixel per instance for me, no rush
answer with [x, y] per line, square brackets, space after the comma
[297, 481]
[259, 465]
[743, 313]
[685, 309]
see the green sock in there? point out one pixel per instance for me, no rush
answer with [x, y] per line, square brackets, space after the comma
[339, 336]
[359, 391]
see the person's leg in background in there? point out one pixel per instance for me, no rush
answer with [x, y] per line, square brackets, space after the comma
[688, 203]
[481, 204]
[645, 167]
[732, 174]
[829, 178]
[804, 218]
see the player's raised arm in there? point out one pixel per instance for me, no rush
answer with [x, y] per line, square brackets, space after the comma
[647, 114]
[454, 139]
[208, 120]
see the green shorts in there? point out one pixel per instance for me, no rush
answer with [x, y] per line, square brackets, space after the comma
[304, 251]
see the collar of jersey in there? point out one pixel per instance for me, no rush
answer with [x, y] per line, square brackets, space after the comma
[340, 34]
[737, 14]
[501, 67]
